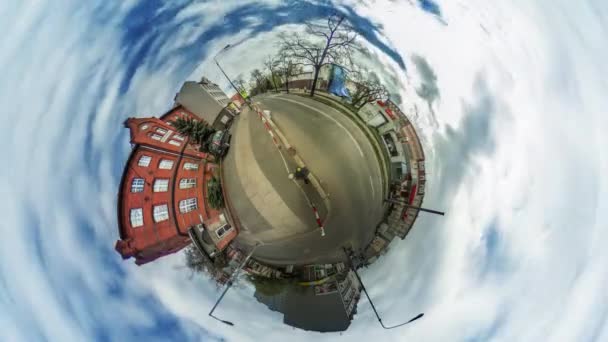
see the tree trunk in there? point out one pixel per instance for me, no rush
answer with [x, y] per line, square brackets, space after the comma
[314, 81]
[287, 85]
[356, 100]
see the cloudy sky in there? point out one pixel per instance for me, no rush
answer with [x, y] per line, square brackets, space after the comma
[514, 136]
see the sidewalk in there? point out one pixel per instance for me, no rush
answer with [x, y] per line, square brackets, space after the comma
[373, 137]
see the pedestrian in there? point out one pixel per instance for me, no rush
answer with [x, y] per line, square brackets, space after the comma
[302, 173]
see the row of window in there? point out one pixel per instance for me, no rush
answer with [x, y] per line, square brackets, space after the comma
[161, 212]
[164, 164]
[161, 185]
[159, 133]
[223, 230]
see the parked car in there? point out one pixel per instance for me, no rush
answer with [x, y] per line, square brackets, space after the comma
[219, 143]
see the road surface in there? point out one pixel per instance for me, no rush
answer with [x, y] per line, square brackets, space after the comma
[340, 155]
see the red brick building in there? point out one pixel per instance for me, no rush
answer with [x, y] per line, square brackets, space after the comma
[163, 192]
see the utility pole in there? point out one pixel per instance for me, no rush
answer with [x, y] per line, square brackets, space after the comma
[350, 263]
[229, 284]
[390, 200]
[225, 75]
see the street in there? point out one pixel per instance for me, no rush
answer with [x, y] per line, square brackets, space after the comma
[273, 210]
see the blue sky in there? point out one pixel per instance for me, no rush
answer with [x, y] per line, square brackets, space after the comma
[515, 144]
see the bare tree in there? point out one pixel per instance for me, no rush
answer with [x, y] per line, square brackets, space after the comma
[287, 67]
[240, 83]
[328, 43]
[258, 81]
[271, 63]
[367, 89]
[197, 261]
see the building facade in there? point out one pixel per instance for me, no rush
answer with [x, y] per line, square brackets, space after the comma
[327, 305]
[162, 194]
[207, 101]
[304, 80]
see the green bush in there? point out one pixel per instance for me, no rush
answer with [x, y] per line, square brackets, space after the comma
[214, 193]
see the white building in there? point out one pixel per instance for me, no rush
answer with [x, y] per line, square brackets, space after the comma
[206, 100]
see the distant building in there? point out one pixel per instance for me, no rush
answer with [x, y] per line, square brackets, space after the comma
[162, 194]
[206, 100]
[325, 307]
[372, 114]
[304, 80]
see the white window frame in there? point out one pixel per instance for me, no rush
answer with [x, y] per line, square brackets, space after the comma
[161, 130]
[174, 142]
[156, 136]
[137, 185]
[188, 205]
[136, 217]
[165, 164]
[144, 161]
[187, 183]
[225, 229]
[178, 137]
[190, 166]
[161, 212]
[161, 185]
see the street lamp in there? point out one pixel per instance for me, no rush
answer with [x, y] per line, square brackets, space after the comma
[436, 212]
[370, 300]
[230, 282]
[222, 70]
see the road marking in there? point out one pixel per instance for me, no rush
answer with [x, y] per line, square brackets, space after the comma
[371, 182]
[284, 162]
[329, 117]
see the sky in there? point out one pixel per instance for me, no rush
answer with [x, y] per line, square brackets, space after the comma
[514, 141]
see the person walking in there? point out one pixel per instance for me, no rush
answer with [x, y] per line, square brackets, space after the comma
[300, 174]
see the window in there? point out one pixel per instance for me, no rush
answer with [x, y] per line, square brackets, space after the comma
[178, 137]
[137, 185]
[187, 183]
[187, 205]
[144, 161]
[166, 164]
[174, 143]
[137, 217]
[161, 185]
[190, 166]
[155, 136]
[161, 213]
[161, 130]
[222, 231]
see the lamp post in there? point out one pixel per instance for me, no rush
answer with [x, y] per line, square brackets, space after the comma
[390, 200]
[370, 300]
[229, 284]
[223, 72]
